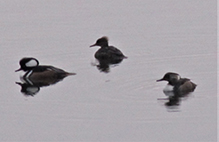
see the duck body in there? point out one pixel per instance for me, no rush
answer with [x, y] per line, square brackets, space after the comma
[43, 72]
[107, 52]
[185, 85]
[110, 53]
[34, 71]
[177, 84]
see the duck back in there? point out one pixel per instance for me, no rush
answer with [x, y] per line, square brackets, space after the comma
[109, 52]
[44, 72]
[185, 86]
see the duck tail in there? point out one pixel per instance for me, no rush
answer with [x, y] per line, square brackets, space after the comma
[70, 73]
[125, 57]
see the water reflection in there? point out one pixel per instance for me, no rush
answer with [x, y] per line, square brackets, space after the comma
[174, 99]
[30, 87]
[104, 65]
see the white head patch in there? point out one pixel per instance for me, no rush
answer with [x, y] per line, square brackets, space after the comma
[32, 63]
[178, 77]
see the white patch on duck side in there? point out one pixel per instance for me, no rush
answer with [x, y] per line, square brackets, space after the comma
[22, 73]
[21, 77]
[168, 88]
[28, 74]
[24, 77]
[32, 63]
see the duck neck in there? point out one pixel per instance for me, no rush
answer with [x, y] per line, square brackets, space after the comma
[27, 74]
[104, 45]
[173, 82]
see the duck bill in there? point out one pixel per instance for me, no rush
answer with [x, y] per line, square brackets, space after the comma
[160, 80]
[18, 70]
[18, 83]
[93, 45]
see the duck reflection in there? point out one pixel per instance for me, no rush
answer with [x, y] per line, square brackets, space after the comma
[175, 99]
[105, 64]
[30, 87]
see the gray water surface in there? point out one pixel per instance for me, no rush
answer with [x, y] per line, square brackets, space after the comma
[125, 104]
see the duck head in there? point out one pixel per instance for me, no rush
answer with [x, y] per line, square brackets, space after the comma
[171, 77]
[27, 63]
[103, 42]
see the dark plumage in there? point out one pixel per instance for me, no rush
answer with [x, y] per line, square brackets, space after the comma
[180, 85]
[36, 72]
[107, 52]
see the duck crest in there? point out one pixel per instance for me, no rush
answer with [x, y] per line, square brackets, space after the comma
[32, 63]
[102, 42]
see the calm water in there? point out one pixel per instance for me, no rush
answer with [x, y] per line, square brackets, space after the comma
[125, 104]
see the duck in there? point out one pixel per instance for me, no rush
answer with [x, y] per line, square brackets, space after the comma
[38, 73]
[177, 84]
[107, 52]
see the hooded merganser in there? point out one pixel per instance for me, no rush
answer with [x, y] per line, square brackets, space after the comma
[106, 51]
[35, 72]
[177, 84]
